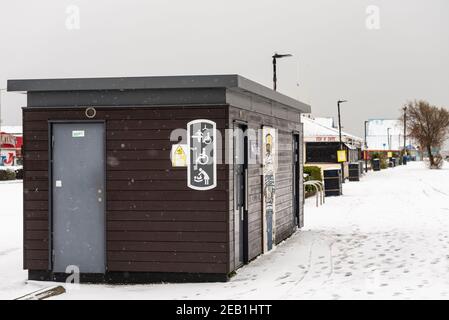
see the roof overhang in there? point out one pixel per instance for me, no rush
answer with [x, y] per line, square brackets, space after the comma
[231, 82]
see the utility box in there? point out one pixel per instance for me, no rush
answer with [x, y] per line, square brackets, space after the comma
[332, 182]
[362, 167]
[354, 171]
[376, 164]
[393, 162]
[159, 178]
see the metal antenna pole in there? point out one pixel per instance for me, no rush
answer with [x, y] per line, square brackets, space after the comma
[341, 141]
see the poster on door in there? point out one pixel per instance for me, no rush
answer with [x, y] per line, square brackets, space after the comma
[202, 162]
[269, 163]
[7, 157]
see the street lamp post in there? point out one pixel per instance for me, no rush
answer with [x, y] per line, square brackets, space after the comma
[277, 56]
[405, 130]
[339, 135]
[366, 149]
[388, 138]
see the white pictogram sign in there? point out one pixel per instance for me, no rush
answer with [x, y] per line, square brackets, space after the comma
[202, 166]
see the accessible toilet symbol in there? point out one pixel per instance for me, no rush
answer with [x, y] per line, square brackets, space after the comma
[202, 167]
[202, 158]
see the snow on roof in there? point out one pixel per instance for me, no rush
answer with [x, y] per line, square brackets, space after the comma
[231, 82]
[12, 129]
[314, 128]
[328, 122]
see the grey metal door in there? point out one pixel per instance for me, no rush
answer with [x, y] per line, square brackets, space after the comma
[78, 218]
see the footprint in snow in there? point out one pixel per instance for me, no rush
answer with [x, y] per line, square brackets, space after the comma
[435, 261]
[285, 276]
[281, 284]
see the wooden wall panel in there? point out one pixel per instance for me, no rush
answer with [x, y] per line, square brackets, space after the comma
[149, 208]
[155, 223]
[285, 223]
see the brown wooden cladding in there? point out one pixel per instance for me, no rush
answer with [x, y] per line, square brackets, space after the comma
[284, 219]
[139, 183]
[140, 246]
[155, 223]
[285, 223]
[169, 236]
[140, 266]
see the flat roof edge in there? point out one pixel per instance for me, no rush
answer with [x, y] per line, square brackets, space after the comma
[123, 83]
[263, 91]
[229, 81]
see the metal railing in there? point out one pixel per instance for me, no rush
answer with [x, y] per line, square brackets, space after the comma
[320, 196]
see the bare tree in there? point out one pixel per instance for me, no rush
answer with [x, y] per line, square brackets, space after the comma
[428, 125]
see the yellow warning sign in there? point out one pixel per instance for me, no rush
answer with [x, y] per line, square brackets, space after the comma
[179, 155]
[341, 156]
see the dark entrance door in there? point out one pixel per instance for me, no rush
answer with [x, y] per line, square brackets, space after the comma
[296, 178]
[78, 218]
[240, 194]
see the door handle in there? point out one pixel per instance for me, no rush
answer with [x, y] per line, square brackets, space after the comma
[246, 189]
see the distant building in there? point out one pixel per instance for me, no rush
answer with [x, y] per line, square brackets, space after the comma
[7, 149]
[11, 146]
[321, 143]
[387, 135]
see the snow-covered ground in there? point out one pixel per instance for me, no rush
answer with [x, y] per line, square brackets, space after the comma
[12, 277]
[12, 168]
[386, 238]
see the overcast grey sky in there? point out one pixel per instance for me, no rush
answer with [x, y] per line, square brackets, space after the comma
[335, 54]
